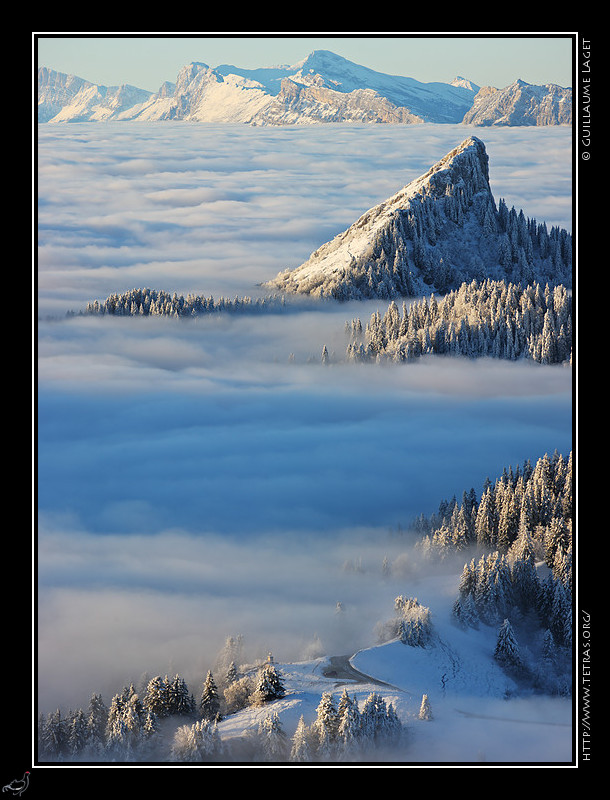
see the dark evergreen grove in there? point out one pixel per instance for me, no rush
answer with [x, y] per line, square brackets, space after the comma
[519, 576]
[494, 319]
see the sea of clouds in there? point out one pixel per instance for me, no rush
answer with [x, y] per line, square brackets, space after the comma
[203, 478]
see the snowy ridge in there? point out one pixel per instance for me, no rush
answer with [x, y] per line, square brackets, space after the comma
[357, 243]
[323, 87]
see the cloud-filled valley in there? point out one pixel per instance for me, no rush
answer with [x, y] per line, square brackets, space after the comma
[195, 481]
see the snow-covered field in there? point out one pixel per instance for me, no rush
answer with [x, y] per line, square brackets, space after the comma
[195, 483]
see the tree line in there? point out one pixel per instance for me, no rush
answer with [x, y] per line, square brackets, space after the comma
[494, 319]
[166, 724]
[157, 302]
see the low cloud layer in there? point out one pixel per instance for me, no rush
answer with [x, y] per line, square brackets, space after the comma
[218, 209]
[194, 481]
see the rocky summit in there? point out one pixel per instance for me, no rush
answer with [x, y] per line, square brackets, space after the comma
[440, 230]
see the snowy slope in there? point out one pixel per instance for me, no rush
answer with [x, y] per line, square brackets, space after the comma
[475, 716]
[67, 98]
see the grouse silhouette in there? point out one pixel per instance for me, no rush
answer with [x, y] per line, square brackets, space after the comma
[18, 786]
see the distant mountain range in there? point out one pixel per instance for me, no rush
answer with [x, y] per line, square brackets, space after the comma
[324, 87]
[439, 231]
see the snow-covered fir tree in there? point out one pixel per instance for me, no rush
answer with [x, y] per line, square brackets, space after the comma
[507, 652]
[349, 730]
[268, 685]
[300, 750]
[326, 727]
[379, 723]
[272, 745]
[425, 710]
[209, 705]
[412, 623]
[199, 742]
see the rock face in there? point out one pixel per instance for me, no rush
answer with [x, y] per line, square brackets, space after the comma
[521, 104]
[67, 98]
[303, 104]
[438, 231]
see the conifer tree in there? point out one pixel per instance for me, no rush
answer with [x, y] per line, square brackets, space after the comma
[272, 745]
[350, 725]
[300, 750]
[425, 711]
[326, 726]
[155, 699]
[269, 685]
[507, 650]
[97, 719]
[209, 705]
[77, 733]
[178, 698]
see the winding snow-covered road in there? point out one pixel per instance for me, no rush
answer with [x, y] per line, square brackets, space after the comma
[340, 667]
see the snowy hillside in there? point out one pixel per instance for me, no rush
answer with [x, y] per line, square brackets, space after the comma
[438, 231]
[476, 713]
[323, 87]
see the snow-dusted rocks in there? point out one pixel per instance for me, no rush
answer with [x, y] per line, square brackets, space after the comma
[67, 98]
[323, 87]
[521, 103]
[438, 231]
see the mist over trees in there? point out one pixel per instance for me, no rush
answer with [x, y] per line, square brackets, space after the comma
[517, 580]
[146, 302]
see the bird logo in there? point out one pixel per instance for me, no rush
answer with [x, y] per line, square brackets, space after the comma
[18, 785]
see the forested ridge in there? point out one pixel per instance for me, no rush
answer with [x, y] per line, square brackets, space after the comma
[157, 302]
[495, 319]
[441, 239]
[487, 319]
[518, 537]
[165, 723]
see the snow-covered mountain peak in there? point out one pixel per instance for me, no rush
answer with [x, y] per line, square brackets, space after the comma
[335, 71]
[438, 231]
[323, 87]
[464, 83]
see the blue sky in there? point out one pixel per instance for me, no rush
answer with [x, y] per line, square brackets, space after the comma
[147, 60]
